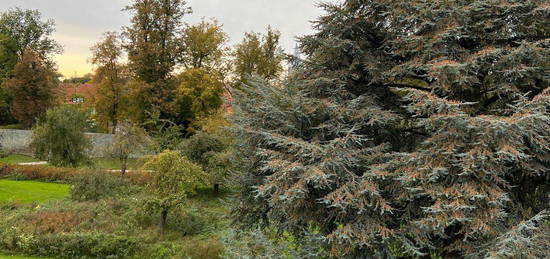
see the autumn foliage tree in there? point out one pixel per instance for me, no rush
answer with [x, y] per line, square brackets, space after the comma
[258, 54]
[33, 88]
[413, 128]
[111, 76]
[152, 44]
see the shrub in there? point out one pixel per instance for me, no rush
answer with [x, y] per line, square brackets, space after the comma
[80, 245]
[93, 186]
[38, 172]
[59, 137]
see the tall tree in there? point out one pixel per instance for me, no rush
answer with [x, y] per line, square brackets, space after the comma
[414, 128]
[259, 55]
[200, 94]
[33, 88]
[8, 60]
[111, 76]
[28, 30]
[202, 45]
[152, 45]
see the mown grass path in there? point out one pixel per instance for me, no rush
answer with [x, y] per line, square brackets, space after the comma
[25, 192]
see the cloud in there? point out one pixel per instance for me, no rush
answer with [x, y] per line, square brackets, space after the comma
[80, 23]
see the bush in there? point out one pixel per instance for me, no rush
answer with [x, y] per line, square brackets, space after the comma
[38, 172]
[79, 245]
[98, 185]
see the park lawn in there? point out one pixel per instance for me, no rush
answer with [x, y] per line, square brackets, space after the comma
[17, 158]
[26, 192]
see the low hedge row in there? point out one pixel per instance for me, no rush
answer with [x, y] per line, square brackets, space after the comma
[47, 173]
[75, 245]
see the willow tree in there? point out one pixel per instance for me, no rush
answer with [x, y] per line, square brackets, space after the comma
[412, 128]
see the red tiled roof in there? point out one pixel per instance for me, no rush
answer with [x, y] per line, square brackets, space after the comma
[69, 90]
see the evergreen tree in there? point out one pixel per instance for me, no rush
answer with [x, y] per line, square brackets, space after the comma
[412, 128]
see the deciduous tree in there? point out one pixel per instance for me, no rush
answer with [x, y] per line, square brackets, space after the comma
[258, 55]
[111, 75]
[128, 140]
[152, 44]
[202, 45]
[33, 88]
[27, 29]
[59, 137]
[200, 94]
[174, 179]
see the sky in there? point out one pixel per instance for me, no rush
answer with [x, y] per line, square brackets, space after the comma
[80, 23]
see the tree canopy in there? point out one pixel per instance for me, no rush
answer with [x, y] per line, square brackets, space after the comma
[412, 128]
[33, 88]
[27, 29]
[258, 54]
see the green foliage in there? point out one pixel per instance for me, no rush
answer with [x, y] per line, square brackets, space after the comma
[166, 134]
[200, 93]
[33, 88]
[128, 140]
[8, 57]
[268, 244]
[96, 185]
[152, 44]
[202, 45]
[421, 125]
[88, 245]
[27, 192]
[59, 137]
[28, 31]
[112, 93]
[174, 178]
[200, 147]
[258, 55]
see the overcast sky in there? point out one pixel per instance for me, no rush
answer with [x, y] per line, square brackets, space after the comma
[80, 23]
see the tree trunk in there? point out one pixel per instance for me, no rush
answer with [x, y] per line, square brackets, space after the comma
[162, 222]
[115, 125]
[123, 165]
[216, 188]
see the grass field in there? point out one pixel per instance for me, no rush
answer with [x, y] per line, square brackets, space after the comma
[16, 159]
[25, 192]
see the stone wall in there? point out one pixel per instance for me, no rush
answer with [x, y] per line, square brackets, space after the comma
[18, 141]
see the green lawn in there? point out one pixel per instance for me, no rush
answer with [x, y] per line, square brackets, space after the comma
[26, 192]
[16, 159]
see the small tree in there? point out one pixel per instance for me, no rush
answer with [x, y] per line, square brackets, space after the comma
[174, 178]
[128, 140]
[59, 137]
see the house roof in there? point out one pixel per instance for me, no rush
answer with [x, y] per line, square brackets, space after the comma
[70, 90]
